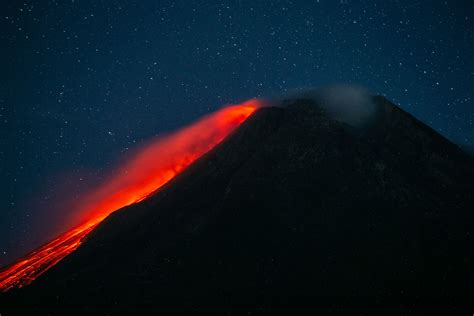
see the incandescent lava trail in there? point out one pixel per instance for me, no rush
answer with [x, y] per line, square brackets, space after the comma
[150, 169]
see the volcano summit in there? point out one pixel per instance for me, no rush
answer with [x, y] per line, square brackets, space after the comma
[296, 208]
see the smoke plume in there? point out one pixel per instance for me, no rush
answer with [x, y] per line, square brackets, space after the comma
[346, 103]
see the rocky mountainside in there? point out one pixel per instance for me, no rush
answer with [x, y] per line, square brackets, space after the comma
[293, 210]
[468, 149]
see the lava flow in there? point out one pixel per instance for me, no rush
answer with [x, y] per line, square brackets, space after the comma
[150, 169]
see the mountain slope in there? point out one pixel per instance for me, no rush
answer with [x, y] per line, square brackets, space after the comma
[468, 149]
[293, 209]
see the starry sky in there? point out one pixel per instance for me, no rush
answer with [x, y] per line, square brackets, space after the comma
[83, 82]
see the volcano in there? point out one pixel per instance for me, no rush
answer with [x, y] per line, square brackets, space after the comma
[293, 210]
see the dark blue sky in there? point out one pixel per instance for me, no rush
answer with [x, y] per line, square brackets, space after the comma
[82, 82]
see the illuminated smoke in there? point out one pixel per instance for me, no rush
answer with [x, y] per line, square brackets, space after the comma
[160, 160]
[154, 165]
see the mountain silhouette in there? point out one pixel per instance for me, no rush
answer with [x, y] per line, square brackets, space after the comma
[294, 210]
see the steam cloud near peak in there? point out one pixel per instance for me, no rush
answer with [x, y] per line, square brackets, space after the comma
[346, 103]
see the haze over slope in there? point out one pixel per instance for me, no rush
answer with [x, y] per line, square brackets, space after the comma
[293, 209]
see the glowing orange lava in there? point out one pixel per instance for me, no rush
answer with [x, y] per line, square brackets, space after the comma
[150, 169]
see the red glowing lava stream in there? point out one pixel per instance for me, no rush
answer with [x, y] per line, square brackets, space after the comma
[150, 169]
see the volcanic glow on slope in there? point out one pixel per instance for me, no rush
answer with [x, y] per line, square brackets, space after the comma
[150, 169]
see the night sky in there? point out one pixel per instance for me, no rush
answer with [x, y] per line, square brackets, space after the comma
[84, 82]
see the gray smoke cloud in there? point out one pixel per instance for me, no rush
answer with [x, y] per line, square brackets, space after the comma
[346, 103]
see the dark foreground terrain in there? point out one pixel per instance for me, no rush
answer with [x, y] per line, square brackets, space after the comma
[293, 211]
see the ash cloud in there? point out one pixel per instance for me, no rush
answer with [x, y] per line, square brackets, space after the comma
[350, 104]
